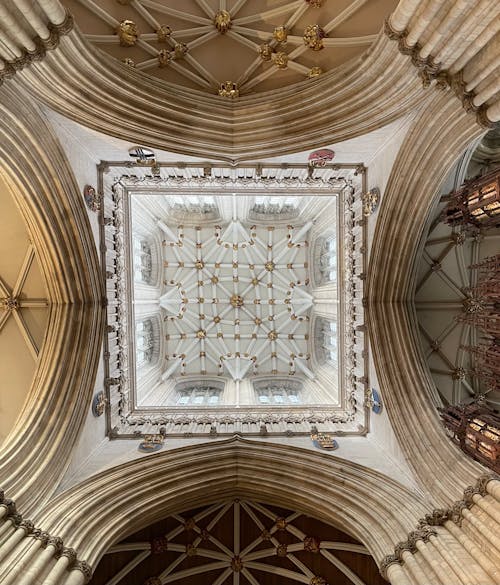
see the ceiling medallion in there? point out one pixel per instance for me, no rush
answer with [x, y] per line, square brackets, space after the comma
[180, 49]
[236, 301]
[127, 33]
[314, 72]
[315, 3]
[280, 34]
[164, 58]
[201, 334]
[229, 89]
[222, 21]
[280, 60]
[129, 62]
[164, 33]
[10, 304]
[313, 37]
[269, 266]
[266, 52]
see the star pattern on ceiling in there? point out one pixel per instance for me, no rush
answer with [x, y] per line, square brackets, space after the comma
[13, 301]
[289, 42]
[236, 300]
[240, 541]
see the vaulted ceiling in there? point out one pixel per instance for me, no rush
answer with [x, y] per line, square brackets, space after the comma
[23, 310]
[238, 542]
[257, 45]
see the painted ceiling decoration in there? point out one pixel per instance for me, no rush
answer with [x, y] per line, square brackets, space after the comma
[221, 308]
[234, 47]
[238, 542]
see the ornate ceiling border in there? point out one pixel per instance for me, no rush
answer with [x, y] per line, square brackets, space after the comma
[126, 421]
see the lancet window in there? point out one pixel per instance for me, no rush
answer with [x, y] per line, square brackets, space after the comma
[275, 205]
[145, 343]
[203, 205]
[143, 261]
[278, 393]
[326, 341]
[328, 260]
[199, 395]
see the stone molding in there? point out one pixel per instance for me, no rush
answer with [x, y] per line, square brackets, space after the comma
[201, 125]
[313, 482]
[56, 542]
[46, 192]
[42, 46]
[437, 517]
[429, 71]
[408, 392]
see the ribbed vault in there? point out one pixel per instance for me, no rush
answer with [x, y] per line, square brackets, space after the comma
[42, 183]
[127, 498]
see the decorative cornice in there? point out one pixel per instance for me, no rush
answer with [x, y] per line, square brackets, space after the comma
[42, 46]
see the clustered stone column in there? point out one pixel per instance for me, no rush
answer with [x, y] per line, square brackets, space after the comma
[455, 546]
[29, 556]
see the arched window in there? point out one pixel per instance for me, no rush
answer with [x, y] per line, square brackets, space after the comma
[283, 207]
[198, 207]
[199, 395]
[144, 342]
[143, 261]
[326, 341]
[327, 261]
[278, 392]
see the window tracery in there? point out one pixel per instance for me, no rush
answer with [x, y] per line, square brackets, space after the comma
[143, 261]
[286, 207]
[326, 341]
[327, 260]
[144, 340]
[199, 395]
[200, 206]
[277, 392]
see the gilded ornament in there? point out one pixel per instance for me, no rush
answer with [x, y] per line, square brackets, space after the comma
[129, 62]
[370, 201]
[164, 33]
[280, 34]
[222, 21]
[229, 89]
[180, 49]
[127, 33]
[164, 58]
[92, 198]
[236, 301]
[272, 335]
[10, 304]
[313, 37]
[315, 3]
[269, 266]
[311, 543]
[201, 334]
[314, 72]
[199, 264]
[266, 52]
[280, 60]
